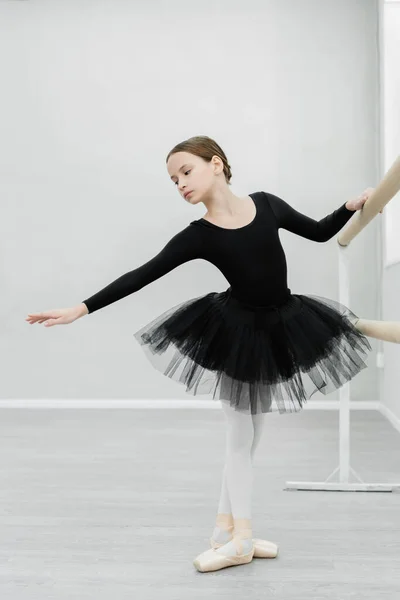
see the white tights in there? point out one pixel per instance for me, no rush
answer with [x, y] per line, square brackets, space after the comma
[243, 434]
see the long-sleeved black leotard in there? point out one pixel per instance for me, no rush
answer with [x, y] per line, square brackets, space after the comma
[251, 257]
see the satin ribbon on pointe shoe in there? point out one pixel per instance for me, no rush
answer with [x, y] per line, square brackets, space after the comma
[262, 548]
[224, 521]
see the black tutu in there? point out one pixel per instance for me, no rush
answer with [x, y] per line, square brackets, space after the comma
[257, 358]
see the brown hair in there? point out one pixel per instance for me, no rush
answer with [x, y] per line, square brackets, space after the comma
[206, 148]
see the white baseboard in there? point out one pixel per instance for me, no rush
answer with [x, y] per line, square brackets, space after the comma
[167, 403]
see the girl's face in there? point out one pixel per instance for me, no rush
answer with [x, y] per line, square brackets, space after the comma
[190, 173]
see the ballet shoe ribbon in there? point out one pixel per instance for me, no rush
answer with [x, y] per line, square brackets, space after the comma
[242, 531]
[224, 521]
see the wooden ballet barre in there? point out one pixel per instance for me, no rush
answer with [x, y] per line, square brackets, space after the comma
[382, 330]
[383, 193]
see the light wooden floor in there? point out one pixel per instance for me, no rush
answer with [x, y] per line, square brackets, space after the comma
[115, 504]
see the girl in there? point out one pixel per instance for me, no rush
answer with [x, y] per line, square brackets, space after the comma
[256, 346]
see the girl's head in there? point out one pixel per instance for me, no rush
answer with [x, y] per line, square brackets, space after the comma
[200, 166]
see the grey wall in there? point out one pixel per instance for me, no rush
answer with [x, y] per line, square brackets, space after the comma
[390, 143]
[95, 94]
[391, 312]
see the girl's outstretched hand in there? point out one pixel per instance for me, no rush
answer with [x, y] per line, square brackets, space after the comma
[58, 316]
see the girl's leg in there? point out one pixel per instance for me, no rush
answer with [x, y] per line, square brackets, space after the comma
[224, 521]
[236, 495]
[224, 507]
[258, 424]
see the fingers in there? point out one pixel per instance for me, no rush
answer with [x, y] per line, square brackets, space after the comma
[367, 193]
[49, 318]
[47, 323]
[38, 317]
[33, 318]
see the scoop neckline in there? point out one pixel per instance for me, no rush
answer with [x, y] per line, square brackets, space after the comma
[234, 228]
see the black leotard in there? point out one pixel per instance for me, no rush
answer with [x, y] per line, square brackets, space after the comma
[251, 257]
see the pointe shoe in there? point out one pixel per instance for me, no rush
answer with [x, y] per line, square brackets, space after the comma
[262, 548]
[211, 560]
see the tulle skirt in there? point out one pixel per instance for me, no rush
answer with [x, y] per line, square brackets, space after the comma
[256, 358]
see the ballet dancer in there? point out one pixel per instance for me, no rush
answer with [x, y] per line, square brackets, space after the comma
[256, 346]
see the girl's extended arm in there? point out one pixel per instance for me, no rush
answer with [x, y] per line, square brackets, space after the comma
[184, 246]
[296, 222]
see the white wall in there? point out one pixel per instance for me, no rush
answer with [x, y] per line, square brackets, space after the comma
[95, 94]
[390, 59]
